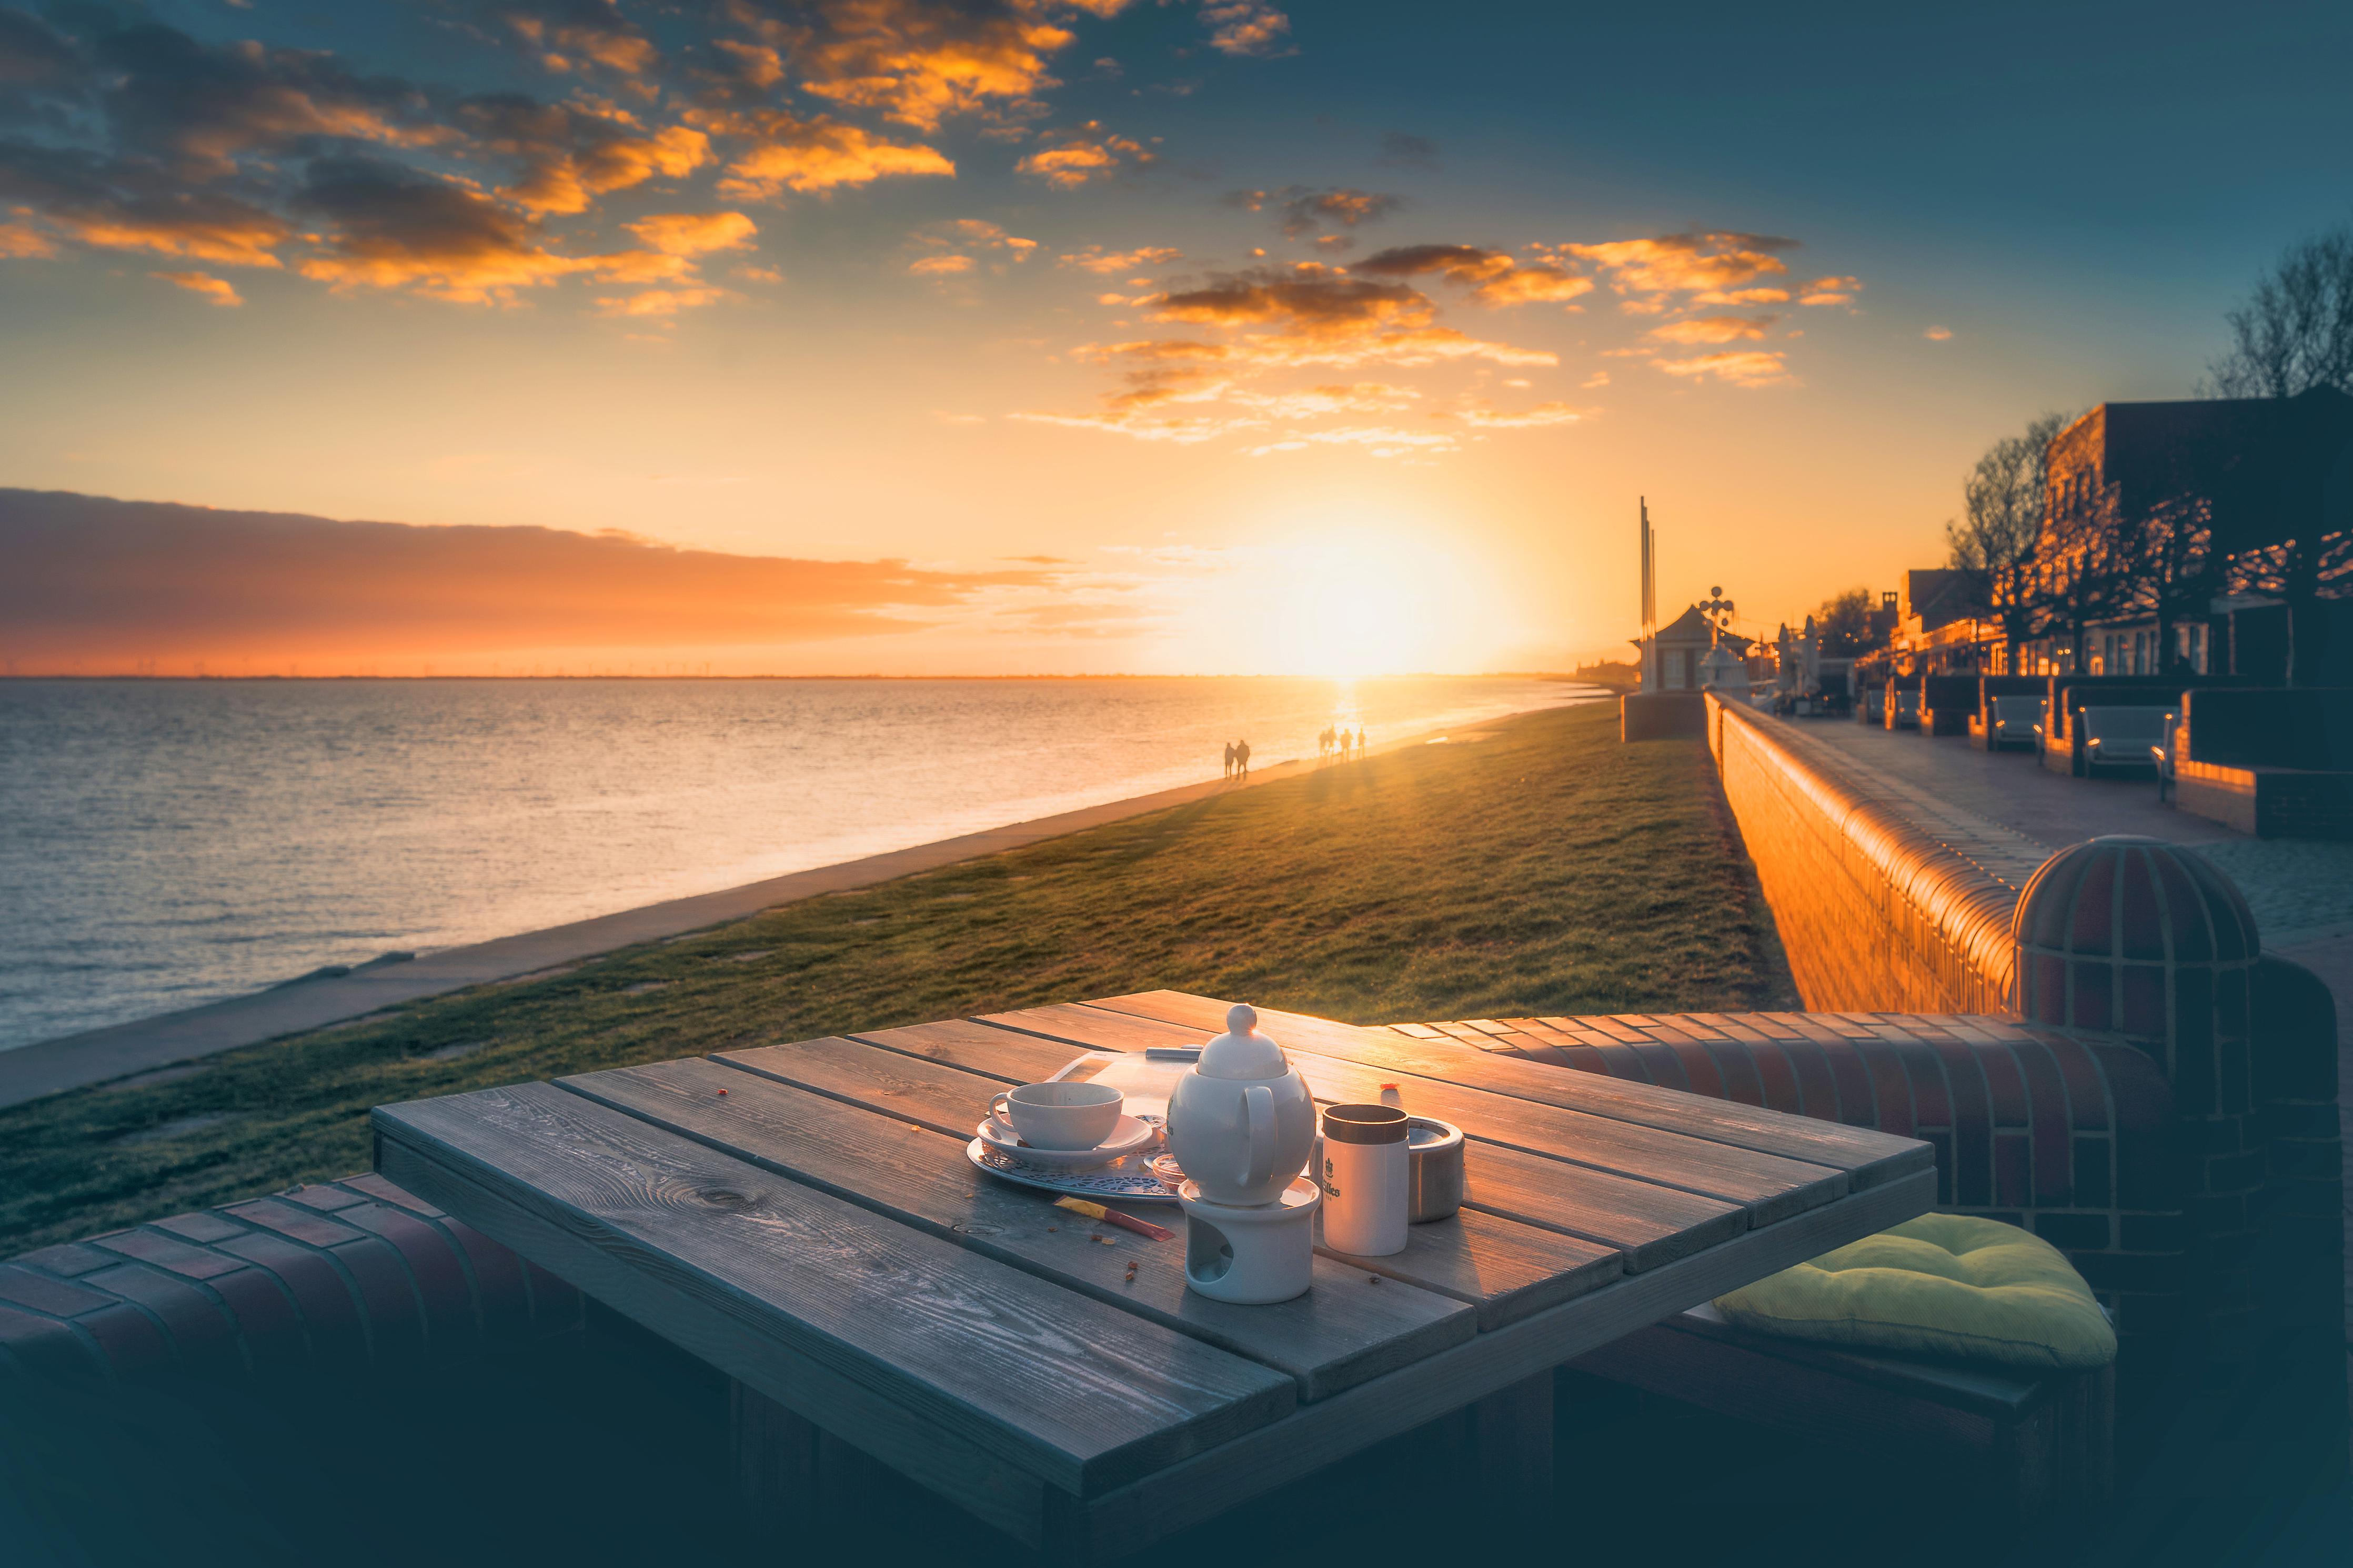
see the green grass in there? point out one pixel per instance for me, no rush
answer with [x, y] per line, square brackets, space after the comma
[1545, 869]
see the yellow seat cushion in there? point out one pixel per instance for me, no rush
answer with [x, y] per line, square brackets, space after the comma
[1943, 1284]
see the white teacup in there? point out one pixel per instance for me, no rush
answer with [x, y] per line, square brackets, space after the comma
[1059, 1115]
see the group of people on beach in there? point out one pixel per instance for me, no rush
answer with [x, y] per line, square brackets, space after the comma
[1336, 742]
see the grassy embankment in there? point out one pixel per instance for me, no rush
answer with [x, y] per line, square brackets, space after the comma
[1545, 869]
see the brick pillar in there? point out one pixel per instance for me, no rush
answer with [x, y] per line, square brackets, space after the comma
[2137, 941]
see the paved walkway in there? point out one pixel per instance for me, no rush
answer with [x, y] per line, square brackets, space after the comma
[143, 1044]
[2005, 808]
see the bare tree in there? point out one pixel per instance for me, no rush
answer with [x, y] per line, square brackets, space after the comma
[2296, 331]
[2169, 567]
[1994, 540]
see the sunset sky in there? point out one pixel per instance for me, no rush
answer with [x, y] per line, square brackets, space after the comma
[1089, 336]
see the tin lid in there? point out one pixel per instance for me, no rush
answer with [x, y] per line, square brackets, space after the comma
[1364, 1125]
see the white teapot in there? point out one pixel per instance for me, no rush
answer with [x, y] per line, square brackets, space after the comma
[1241, 1120]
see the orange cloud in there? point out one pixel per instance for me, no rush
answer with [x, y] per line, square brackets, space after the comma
[973, 233]
[395, 230]
[663, 302]
[695, 233]
[1245, 26]
[917, 62]
[786, 153]
[1938, 334]
[17, 242]
[1742, 297]
[1494, 277]
[1713, 329]
[940, 266]
[228, 233]
[1678, 263]
[214, 290]
[593, 32]
[109, 583]
[1087, 153]
[1534, 417]
[1094, 258]
[1752, 367]
[1829, 291]
[569, 181]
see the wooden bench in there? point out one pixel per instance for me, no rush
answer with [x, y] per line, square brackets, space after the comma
[2040, 1447]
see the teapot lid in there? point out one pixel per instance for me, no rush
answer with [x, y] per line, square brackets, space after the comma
[1242, 1051]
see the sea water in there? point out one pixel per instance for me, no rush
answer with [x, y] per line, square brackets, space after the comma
[168, 843]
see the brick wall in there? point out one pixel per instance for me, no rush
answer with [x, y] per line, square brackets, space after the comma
[1874, 913]
[319, 1279]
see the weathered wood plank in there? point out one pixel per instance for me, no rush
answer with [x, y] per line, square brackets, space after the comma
[1133, 1517]
[1649, 1225]
[1079, 1394]
[1503, 1268]
[1337, 1335]
[1866, 1154]
[926, 1091]
[1769, 1186]
[1028, 1061]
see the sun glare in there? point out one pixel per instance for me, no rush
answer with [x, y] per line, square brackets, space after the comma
[1358, 607]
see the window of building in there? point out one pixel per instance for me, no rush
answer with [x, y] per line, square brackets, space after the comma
[2189, 642]
[1671, 672]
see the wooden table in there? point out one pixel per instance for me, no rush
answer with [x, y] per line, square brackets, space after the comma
[803, 1219]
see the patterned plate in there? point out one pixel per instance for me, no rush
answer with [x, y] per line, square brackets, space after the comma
[1129, 1180]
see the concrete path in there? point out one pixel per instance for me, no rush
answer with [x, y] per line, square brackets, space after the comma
[2301, 891]
[101, 1056]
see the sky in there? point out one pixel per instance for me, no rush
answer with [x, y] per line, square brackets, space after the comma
[1109, 335]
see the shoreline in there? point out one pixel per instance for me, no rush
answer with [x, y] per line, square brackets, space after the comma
[168, 1039]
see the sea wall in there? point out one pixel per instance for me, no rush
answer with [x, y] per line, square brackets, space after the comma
[1875, 915]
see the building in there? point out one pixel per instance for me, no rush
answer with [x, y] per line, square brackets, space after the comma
[1935, 626]
[2212, 536]
[1673, 655]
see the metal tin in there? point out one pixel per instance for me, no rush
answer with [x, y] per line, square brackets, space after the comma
[1434, 1160]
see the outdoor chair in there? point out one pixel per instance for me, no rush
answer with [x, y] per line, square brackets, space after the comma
[2121, 737]
[2017, 723]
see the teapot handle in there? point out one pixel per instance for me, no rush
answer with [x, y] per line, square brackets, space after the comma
[1258, 1105]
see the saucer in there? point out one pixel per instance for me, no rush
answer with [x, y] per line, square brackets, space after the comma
[1129, 1135]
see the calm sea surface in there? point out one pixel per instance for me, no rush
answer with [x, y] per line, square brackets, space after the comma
[167, 843]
